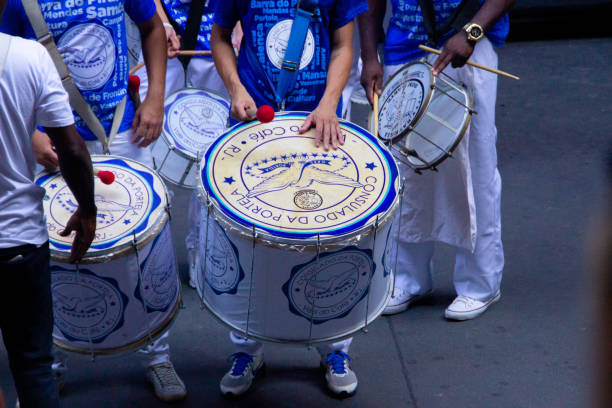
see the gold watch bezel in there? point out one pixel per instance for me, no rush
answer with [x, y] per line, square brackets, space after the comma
[468, 28]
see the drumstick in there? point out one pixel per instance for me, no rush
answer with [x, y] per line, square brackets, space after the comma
[181, 52]
[474, 64]
[375, 113]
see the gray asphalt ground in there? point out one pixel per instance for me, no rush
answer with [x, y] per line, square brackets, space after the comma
[532, 349]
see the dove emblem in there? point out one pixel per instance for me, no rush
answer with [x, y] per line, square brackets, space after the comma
[301, 175]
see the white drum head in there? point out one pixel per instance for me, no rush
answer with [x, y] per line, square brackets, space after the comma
[193, 119]
[132, 207]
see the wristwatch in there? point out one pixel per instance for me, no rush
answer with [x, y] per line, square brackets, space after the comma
[474, 32]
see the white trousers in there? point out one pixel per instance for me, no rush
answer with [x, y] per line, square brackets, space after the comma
[478, 267]
[255, 348]
[159, 351]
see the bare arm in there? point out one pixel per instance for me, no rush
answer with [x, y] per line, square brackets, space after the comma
[225, 62]
[324, 117]
[149, 116]
[371, 32]
[458, 48]
[174, 45]
[75, 165]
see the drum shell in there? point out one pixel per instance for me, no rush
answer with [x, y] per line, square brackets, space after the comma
[353, 282]
[173, 164]
[109, 303]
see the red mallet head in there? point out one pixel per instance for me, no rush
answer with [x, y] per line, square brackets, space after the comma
[265, 114]
[134, 83]
[107, 177]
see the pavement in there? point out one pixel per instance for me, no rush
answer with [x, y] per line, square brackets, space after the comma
[532, 349]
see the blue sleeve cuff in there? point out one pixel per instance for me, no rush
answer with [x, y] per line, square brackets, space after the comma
[344, 19]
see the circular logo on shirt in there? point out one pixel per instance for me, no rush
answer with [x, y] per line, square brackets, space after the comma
[331, 286]
[86, 306]
[90, 54]
[278, 39]
[223, 271]
[159, 287]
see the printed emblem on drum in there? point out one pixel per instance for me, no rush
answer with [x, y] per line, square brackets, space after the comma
[307, 199]
[278, 39]
[329, 288]
[274, 177]
[159, 286]
[400, 108]
[89, 53]
[86, 306]
[223, 270]
[194, 121]
[123, 206]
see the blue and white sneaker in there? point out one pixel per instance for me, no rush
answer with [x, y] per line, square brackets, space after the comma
[341, 380]
[240, 377]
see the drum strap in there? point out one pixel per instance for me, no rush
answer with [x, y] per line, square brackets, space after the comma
[462, 15]
[5, 44]
[192, 29]
[77, 101]
[295, 47]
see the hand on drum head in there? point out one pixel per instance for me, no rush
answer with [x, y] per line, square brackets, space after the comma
[148, 120]
[85, 228]
[456, 51]
[243, 106]
[327, 128]
[372, 78]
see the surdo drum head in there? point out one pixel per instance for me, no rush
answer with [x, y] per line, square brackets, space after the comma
[297, 245]
[126, 290]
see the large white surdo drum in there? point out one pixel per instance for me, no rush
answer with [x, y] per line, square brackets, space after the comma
[193, 118]
[126, 290]
[421, 116]
[298, 245]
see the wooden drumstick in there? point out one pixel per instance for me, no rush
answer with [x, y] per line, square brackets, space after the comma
[181, 52]
[375, 113]
[474, 64]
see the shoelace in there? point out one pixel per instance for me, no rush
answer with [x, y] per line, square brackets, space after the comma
[241, 361]
[468, 302]
[336, 360]
[167, 376]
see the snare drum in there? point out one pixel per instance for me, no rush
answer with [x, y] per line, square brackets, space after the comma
[421, 116]
[126, 290]
[193, 118]
[297, 244]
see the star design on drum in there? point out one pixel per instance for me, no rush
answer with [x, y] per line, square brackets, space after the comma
[126, 222]
[53, 186]
[229, 180]
[371, 166]
[299, 170]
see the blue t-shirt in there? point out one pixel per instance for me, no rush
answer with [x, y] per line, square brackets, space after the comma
[91, 38]
[266, 27]
[178, 10]
[407, 30]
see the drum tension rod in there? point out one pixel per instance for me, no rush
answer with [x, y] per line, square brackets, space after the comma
[91, 350]
[469, 108]
[140, 283]
[251, 282]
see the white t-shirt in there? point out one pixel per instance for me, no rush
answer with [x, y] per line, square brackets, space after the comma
[31, 94]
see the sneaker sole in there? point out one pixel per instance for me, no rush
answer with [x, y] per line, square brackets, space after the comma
[402, 307]
[472, 314]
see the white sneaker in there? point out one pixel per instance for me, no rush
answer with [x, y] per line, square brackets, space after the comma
[341, 380]
[191, 258]
[402, 300]
[465, 308]
[240, 377]
[167, 385]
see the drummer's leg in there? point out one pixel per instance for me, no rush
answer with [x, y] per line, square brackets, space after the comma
[340, 378]
[202, 73]
[175, 78]
[478, 274]
[247, 363]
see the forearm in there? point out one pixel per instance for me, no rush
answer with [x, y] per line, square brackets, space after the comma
[370, 28]
[225, 58]
[339, 68]
[491, 11]
[160, 12]
[75, 165]
[155, 49]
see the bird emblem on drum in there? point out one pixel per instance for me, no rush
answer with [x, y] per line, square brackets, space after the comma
[299, 171]
[106, 208]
